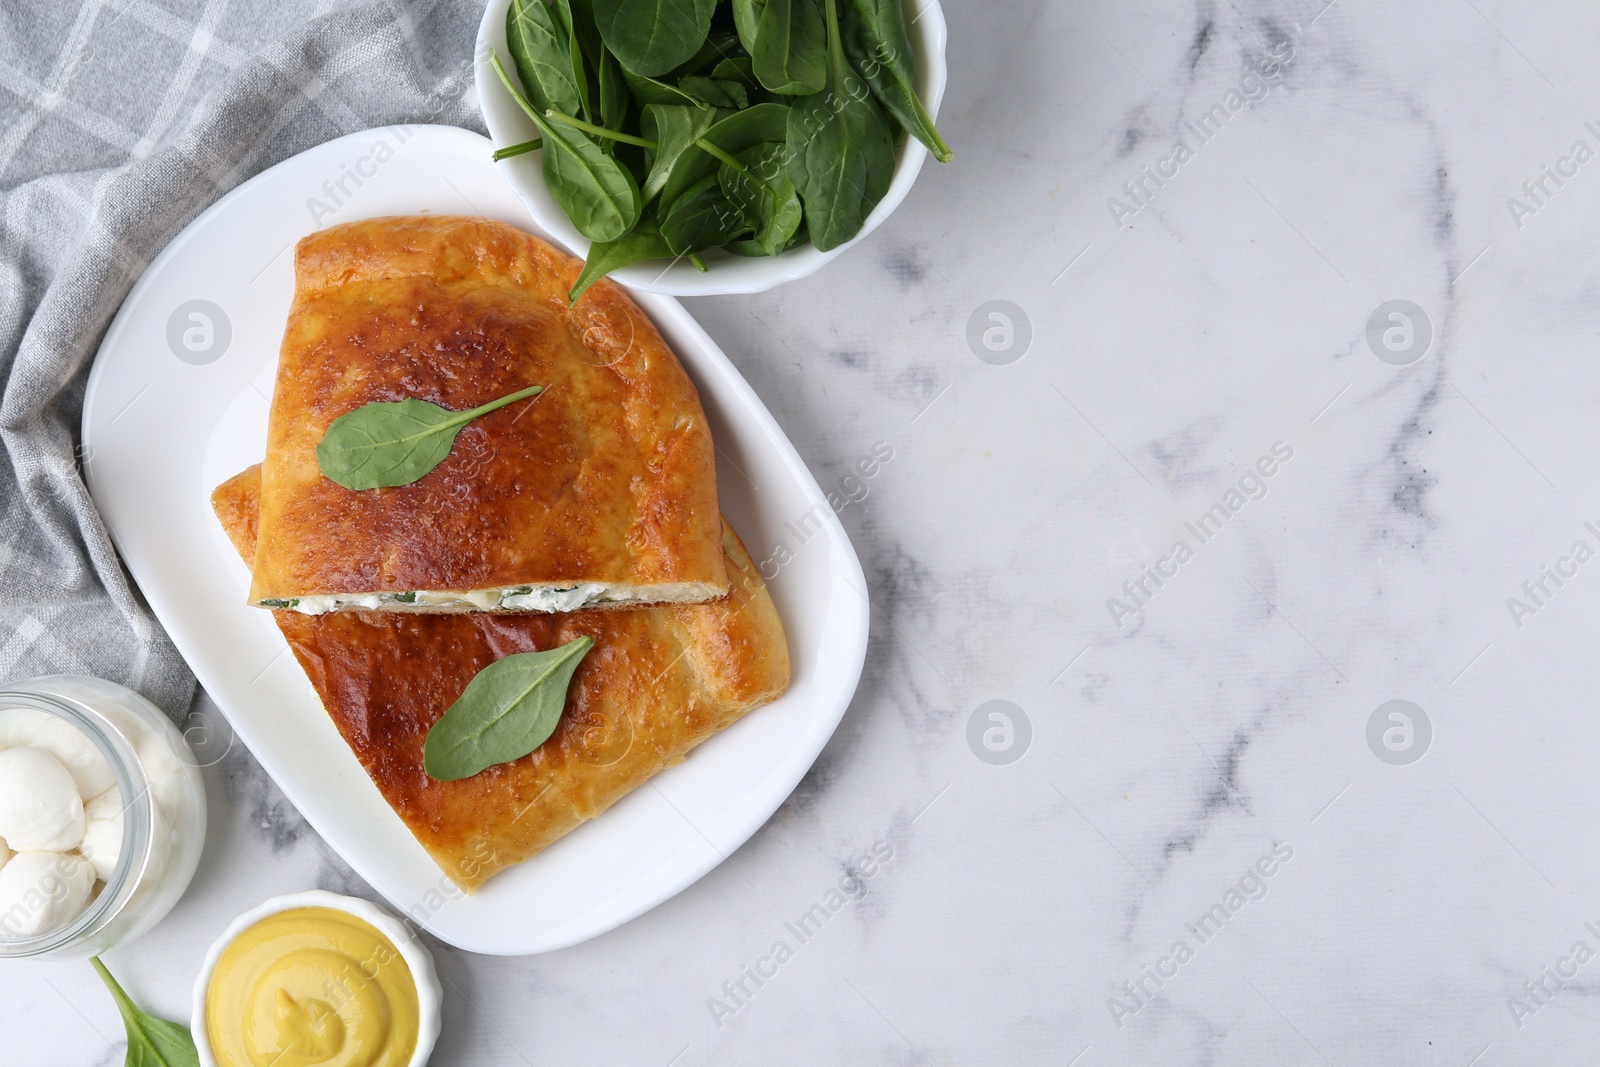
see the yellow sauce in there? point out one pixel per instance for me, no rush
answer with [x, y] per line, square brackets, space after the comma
[312, 987]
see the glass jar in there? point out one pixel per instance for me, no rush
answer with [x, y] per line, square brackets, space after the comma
[163, 826]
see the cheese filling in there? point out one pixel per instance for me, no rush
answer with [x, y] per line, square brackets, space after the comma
[511, 598]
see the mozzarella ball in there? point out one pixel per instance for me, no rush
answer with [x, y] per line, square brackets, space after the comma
[42, 891]
[40, 810]
[69, 745]
[102, 832]
[165, 773]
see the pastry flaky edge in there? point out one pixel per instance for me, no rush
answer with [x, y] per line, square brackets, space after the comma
[659, 681]
[600, 490]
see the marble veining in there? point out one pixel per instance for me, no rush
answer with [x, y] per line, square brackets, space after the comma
[1167, 318]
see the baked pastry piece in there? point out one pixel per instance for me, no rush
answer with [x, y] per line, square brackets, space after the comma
[600, 490]
[658, 682]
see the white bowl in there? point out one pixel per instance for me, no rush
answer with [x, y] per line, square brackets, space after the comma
[429, 996]
[729, 273]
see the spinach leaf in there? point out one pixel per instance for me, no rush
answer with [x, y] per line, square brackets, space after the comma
[396, 442]
[614, 98]
[651, 37]
[583, 44]
[841, 150]
[753, 250]
[650, 91]
[674, 128]
[645, 242]
[750, 127]
[733, 134]
[578, 16]
[740, 69]
[747, 21]
[790, 54]
[701, 218]
[717, 47]
[717, 93]
[539, 51]
[876, 40]
[598, 194]
[760, 188]
[509, 709]
[518, 149]
[152, 1042]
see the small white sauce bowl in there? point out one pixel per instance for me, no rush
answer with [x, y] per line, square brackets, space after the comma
[729, 273]
[429, 996]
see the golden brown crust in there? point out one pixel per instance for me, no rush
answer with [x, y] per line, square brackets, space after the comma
[659, 681]
[237, 503]
[608, 476]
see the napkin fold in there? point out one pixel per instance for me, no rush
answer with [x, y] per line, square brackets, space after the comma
[119, 122]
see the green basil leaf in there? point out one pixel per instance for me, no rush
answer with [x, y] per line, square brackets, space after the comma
[540, 53]
[396, 442]
[790, 55]
[509, 709]
[598, 194]
[733, 134]
[841, 150]
[651, 37]
[764, 195]
[152, 1042]
[717, 93]
[701, 218]
[645, 242]
[877, 42]
[674, 128]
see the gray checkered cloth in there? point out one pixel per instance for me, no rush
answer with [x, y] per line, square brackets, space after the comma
[120, 120]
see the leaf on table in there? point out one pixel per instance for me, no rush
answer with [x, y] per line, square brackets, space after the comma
[152, 1042]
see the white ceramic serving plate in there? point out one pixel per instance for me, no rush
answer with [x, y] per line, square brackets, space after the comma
[161, 431]
[729, 273]
[430, 998]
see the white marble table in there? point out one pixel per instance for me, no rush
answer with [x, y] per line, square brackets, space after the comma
[1184, 736]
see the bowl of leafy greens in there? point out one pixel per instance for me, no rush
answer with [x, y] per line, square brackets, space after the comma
[694, 147]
